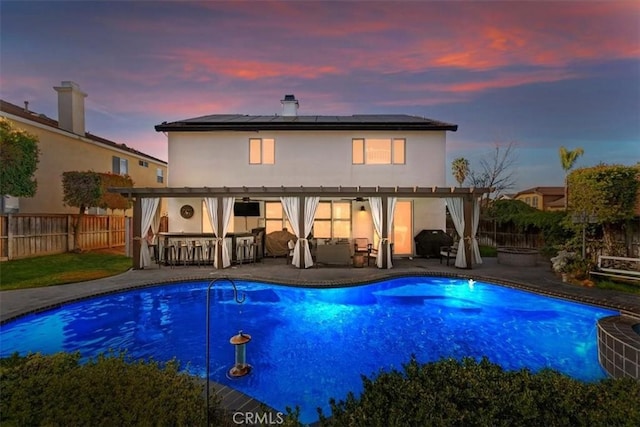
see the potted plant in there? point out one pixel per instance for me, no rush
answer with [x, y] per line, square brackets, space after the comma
[564, 263]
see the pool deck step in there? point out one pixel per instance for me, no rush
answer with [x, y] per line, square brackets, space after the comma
[236, 401]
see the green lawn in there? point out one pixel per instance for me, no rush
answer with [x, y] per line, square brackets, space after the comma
[618, 286]
[488, 251]
[60, 269]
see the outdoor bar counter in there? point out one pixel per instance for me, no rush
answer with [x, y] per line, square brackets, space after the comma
[232, 240]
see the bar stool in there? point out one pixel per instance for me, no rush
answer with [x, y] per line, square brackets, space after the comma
[170, 254]
[211, 251]
[241, 251]
[253, 252]
[197, 250]
[183, 252]
[155, 249]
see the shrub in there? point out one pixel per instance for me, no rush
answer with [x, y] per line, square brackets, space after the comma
[473, 393]
[488, 251]
[564, 261]
[110, 390]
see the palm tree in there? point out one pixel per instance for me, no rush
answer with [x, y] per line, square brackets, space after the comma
[460, 169]
[567, 159]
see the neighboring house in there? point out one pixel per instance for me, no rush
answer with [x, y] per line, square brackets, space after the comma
[543, 198]
[507, 196]
[65, 146]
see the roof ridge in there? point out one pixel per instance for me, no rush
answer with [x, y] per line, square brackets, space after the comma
[16, 110]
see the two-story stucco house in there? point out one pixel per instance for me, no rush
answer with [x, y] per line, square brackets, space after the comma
[543, 198]
[65, 146]
[380, 177]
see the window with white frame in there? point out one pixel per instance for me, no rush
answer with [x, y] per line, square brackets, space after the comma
[332, 220]
[119, 165]
[262, 151]
[159, 176]
[378, 151]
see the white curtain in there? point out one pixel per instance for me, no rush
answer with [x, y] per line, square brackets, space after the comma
[310, 207]
[475, 249]
[149, 208]
[456, 210]
[227, 209]
[292, 210]
[155, 225]
[376, 214]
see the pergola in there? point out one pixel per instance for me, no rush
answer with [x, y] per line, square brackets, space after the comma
[467, 194]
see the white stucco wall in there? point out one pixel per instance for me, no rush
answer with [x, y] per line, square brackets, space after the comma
[217, 159]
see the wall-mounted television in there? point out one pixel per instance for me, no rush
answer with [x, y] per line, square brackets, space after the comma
[246, 209]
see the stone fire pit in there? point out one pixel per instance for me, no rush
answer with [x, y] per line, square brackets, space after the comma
[518, 257]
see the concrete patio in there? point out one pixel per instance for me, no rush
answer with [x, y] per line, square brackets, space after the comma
[538, 279]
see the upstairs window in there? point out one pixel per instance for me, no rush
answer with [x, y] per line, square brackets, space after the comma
[143, 163]
[378, 151]
[262, 151]
[159, 176]
[119, 165]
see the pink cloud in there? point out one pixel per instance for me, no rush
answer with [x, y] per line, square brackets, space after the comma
[310, 40]
[505, 80]
[196, 62]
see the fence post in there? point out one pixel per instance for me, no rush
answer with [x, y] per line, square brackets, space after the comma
[69, 233]
[127, 236]
[109, 231]
[9, 237]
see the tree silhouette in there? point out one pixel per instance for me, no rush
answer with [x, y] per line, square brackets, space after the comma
[496, 171]
[88, 190]
[460, 169]
[18, 162]
[568, 159]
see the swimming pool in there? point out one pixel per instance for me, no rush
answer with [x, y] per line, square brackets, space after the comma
[313, 344]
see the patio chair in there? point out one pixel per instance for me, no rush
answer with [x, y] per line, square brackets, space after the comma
[448, 252]
[361, 245]
[290, 245]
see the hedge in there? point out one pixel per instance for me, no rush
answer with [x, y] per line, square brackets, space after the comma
[110, 390]
[480, 393]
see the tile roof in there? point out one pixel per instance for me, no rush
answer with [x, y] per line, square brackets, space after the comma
[15, 110]
[222, 122]
[558, 203]
[544, 191]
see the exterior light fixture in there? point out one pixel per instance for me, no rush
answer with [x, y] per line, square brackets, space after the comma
[362, 209]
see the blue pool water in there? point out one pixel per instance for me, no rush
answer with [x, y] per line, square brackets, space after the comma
[313, 344]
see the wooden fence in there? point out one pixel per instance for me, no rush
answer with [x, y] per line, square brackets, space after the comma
[25, 235]
[489, 234]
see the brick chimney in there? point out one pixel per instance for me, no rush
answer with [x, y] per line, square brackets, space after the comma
[289, 106]
[71, 107]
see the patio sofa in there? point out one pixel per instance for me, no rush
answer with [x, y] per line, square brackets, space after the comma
[334, 254]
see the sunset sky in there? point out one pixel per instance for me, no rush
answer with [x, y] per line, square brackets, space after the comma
[541, 74]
